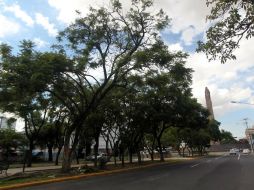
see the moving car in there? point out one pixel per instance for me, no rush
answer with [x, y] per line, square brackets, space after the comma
[246, 151]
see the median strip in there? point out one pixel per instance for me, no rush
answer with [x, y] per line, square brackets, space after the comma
[103, 173]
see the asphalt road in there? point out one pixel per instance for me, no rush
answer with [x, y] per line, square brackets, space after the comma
[215, 173]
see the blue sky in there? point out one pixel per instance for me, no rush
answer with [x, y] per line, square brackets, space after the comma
[40, 20]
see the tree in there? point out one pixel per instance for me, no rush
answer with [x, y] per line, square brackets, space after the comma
[227, 137]
[17, 96]
[107, 40]
[233, 21]
[10, 140]
[94, 123]
[161, 88]
[214, 130]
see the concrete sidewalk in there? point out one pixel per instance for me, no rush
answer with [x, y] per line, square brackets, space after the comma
[13, 171]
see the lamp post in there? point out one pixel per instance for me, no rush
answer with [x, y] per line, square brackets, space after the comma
[246, 122]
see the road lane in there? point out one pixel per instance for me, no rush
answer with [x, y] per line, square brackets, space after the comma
[219, 173]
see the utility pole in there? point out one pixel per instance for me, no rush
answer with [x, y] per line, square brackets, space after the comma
[250, 135]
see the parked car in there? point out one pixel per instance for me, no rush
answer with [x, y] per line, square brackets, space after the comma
[246, 151]
[37, 155]
[99, 156]
[234, 151]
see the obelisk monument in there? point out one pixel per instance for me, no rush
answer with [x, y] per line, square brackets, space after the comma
[209, 104]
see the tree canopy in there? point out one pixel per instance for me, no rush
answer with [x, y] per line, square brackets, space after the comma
[232, 21]
[110, 75]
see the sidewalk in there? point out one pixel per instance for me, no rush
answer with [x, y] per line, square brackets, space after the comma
[13, 171]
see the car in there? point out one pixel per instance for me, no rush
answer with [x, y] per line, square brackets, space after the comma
[37, 155]
[234, 151]
[246, 151]
[99, 156]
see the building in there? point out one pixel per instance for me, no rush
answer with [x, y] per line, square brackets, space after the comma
[4, 123]
[249, 132]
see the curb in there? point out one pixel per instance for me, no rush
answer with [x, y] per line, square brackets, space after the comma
[62, 179]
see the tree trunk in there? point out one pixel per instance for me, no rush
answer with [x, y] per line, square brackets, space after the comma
[50, 152]
[122, 159]
[116, 152]
[96, 146]
[66, 164]
[58, 154]
[183, 152]
[121, 154]
[115, 160]
[76, 156]
[25, 161]
[139, 157]
[130, 155]
[152, 155]
[30, 153]
[107, 145]
[160, 150]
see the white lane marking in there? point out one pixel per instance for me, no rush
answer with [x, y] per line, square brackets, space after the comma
[195, 165]
[239, 155]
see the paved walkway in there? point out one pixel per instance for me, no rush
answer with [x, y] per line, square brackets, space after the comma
[13, 171]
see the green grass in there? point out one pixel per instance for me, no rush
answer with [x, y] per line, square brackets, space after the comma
[18, 180]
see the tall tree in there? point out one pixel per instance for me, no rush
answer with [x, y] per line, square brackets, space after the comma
[17, 96]
[106, 40]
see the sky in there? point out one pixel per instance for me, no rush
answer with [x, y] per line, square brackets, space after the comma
[41, 20]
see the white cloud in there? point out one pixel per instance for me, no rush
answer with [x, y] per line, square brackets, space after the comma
[226, 82]
[40, 43]
[175, 47]
[188, 35]
[19, 13]
[44, 22]
[67, 9]
[188, 16]
[250, 79]
[8, 27]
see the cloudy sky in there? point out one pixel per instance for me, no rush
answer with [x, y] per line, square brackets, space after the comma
[40, 20]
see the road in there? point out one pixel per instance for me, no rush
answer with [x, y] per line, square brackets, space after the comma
[214, 173]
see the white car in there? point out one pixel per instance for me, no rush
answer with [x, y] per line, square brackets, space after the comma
[233, 151]
[246, 151]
